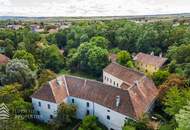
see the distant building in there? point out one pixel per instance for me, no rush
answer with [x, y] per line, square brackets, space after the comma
[148, 62]
[15, 27]
[3, 59]
[36, 28]
[112, 104]
[51, 31]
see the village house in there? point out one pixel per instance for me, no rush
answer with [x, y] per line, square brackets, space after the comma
[132, 95]
[14, 26]
[3, 59]
[149, 63]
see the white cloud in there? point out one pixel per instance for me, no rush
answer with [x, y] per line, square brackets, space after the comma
[91, 7]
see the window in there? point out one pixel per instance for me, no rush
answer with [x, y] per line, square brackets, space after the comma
[114, 82]
[110, 81]
[87, 112]
[39, 104]
[38, 112]
[108, 117]
[73, 101]
[51, 116]
[87, 104]
[126, 118]
[108, 110]
[117, 84]
[112, 129]
[49, 106]
[105, 77]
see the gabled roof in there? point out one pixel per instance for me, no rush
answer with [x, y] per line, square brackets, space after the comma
[52, 91]
[134, 101]
[150, 59]
[3, 59]
[126, 74]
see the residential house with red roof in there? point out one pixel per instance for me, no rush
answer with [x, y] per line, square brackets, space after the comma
[149, 63]
[112, 104]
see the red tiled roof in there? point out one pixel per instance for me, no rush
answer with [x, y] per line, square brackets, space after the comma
[150, 59]
[143, 95]
[3, 59]
[52, 91]
[134, 100]
[126, 74]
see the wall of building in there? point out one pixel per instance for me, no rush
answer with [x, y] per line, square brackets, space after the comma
[111, 80]
[146, 68]
[82, 107]
[43, 109]
[115, 122]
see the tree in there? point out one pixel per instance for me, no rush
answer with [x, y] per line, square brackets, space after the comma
[30, 39]
[18, 71]
[183, 118]
[22, 54]
[52, 58]
[45, 75]
[65, 115]
[100, 41]
[175, 99]
[160, 76]
[89, 58]
[180, 54]
[124, 58]
[89, 123]
[97, 59]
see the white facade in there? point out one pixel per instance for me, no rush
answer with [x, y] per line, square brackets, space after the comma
[111, 80]
[111, 119]
[44, 109]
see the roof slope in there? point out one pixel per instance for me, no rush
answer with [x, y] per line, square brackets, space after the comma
[100, 93]
[143, 95]
[3, 59]
[123, 73]
[52, 91]
[150, 59]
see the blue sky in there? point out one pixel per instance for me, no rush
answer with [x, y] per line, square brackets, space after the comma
[91, 7]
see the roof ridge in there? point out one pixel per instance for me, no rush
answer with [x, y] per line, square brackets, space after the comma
[151, 55]
[50, 85]
[96, 82]
[66, 87]
[128, 68]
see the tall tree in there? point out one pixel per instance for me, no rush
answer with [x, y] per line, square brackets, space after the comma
[183, 118]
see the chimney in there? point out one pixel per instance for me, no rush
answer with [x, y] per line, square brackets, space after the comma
[117, 101]
[152, 53]
[136, 82]
[59, 82]
[160, 55]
